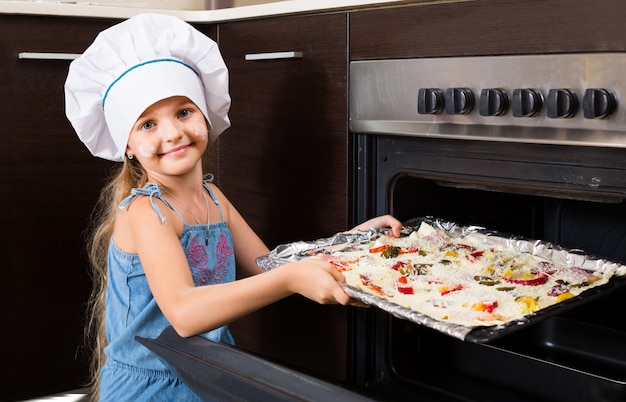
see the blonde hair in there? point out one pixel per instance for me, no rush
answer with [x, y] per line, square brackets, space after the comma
[130, 175]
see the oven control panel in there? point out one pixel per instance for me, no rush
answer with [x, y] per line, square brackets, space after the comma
[559, 103]
[571, 99]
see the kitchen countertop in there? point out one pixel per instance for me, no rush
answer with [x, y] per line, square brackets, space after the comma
[91, 9]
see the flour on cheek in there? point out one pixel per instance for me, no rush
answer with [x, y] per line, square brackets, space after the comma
[147, 150]
[201, 133]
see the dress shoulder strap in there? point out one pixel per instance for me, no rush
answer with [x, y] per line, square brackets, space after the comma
[208, 178]
[153, 191]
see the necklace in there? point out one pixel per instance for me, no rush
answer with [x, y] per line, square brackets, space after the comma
[206, 203]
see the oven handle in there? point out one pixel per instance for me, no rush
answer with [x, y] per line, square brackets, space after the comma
[514, 134]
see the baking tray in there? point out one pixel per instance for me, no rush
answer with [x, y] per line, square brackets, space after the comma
[480, 334]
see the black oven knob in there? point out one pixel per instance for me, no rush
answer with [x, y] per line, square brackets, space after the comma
[459, 100]
[430, 101]
[493, 102]
[526, 102]
[598, 103]
[561, 103]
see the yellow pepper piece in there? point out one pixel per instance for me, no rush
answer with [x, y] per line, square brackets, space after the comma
[528, 304]
[563, 296]
[451, 253]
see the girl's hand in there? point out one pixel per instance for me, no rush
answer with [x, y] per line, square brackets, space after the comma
[319, 281]
[382, 221]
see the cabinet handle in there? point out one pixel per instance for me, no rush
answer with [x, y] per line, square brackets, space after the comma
[47, 56]
[274, 56]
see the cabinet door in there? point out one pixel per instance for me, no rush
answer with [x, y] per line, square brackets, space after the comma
[49, 184]
[284, 165]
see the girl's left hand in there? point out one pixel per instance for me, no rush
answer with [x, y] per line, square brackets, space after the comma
[382, 221]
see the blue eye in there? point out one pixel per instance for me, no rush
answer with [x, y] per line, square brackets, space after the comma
[147, 125]
[184, 113]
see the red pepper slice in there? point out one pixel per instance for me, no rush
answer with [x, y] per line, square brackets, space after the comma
[401, 285]
[366, 281]
[466, 246]
[398, 265]
[445, 290]
[407, 290]
[409, 250]
[379, 248]
[340, 265]
[539, 279]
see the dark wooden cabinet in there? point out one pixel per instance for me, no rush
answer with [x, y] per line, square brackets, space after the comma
[284, 165]
[487, 27]
[284, 160]
[49, 184]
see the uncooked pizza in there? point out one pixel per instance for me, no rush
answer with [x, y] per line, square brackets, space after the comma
[460, 280]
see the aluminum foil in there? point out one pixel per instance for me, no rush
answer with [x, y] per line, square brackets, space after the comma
[345, 240]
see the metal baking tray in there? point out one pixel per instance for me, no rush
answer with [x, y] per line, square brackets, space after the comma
[481, 334]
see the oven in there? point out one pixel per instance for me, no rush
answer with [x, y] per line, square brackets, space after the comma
[529, 145]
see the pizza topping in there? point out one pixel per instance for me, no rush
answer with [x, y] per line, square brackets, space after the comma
[477, 254]
[486, 280]
[465, 246]
[340, 265]
[411, 250]
[578, 277]
[449, 289]
[505, 288]
[391, 252]
[367, 281]
[491, 317]
[379, 249]
[398, 265]
[403, 287]
[538, 279]
[486, 306]
[563, 296]
[528, 304]
[451, 253]
[558, 289]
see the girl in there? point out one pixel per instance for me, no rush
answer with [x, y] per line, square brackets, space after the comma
[153, 92]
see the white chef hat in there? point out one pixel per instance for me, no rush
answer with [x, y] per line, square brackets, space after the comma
[134, 64]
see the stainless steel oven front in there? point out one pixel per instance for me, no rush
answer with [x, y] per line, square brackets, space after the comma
[531, 145]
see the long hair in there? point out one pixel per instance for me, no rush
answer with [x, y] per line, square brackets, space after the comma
[124, 179]
[130, 175]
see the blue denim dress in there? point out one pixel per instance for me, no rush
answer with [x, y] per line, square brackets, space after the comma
[131, 371]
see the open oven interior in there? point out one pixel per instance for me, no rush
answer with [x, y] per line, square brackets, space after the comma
[578, 354]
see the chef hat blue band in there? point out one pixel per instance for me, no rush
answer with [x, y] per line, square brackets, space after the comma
[106, 93]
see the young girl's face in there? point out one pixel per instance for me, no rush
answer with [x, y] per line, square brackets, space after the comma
[171, 134]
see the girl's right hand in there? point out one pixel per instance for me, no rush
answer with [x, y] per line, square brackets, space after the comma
[319, 281]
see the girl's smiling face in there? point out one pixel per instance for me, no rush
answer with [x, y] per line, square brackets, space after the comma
[170, 130]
